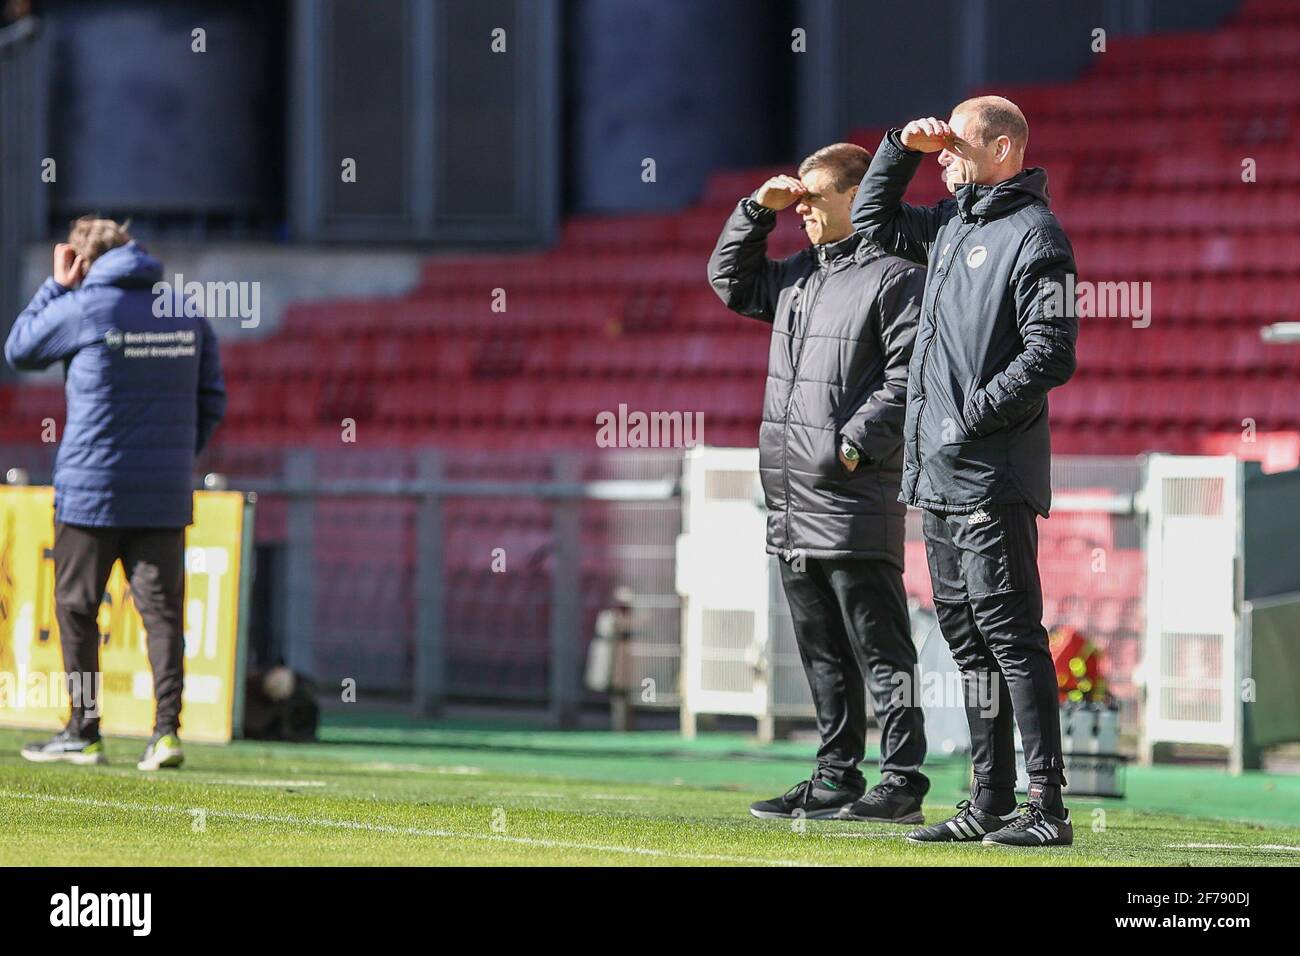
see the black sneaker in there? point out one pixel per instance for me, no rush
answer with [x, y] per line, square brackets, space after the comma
[968, 825]
[893, 800]
[815, 799]
[1034, 827]
[66, 747]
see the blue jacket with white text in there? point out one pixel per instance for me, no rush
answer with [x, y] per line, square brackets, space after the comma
[144, 392]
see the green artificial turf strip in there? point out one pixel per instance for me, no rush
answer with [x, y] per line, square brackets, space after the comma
[457, 794]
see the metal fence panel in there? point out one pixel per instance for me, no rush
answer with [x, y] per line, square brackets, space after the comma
[430, 577]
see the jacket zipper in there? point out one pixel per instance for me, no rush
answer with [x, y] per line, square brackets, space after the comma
[920, 371]
[789, 402]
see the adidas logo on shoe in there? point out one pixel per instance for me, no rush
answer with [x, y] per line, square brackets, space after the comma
[1034, 827]
[1045, 831]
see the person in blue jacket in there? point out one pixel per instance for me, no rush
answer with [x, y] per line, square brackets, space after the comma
[144, 393]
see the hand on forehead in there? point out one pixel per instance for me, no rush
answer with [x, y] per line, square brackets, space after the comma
[818, 181]
[965, 128]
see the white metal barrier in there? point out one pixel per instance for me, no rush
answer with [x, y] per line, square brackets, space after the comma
[739, 650]
[734, 629]
[1192, 664]
[722, 576]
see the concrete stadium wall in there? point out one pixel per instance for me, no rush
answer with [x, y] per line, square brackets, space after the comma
[286, 275]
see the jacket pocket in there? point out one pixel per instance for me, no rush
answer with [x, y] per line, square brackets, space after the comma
[978, 425]
[832, 475]
[943, 423]
[859, 471]
[829, 465]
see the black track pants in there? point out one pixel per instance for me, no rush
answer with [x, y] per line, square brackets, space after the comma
[850, 620]
[989, 601]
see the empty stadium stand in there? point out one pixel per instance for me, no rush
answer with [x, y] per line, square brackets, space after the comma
[1145, 154]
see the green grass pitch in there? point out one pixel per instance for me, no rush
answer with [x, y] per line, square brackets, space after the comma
[379, 792]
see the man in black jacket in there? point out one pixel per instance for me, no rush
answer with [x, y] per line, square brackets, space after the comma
[991, 342]
[843, 315]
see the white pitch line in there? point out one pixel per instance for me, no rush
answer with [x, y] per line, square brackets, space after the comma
[459, 771]
[404, 831]
[1278, 847]
[270, 783]
[866, 836]
[564, 796]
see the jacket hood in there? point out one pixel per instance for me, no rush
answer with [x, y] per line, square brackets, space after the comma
[128, 265]
[991, 202]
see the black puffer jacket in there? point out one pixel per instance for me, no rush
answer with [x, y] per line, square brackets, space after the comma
[996, 332]
[843, 318]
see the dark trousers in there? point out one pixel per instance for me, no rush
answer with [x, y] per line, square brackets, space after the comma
[154, 561]
[851, 624]
[989, 601]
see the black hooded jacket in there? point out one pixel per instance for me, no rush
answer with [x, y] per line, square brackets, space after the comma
[843, 318]
[997, 332]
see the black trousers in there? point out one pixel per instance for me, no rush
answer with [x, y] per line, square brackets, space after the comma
[154, 561]
[989, 601]
[851, 624]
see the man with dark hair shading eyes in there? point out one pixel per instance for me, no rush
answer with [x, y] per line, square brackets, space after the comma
[843, 314]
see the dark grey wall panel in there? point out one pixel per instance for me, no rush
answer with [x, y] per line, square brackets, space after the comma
[24, 70]
[886, 61]
[454, 143]
[145, 124]
[692, 85]
[1026, 46]
[1272, 519]
[482, 134]
[1189, 14]
[367, 100]
[900, 61]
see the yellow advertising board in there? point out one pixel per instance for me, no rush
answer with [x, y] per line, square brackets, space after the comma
[33, 691]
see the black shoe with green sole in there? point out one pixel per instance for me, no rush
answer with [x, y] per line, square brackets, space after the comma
[893, 800]
[163, 751]
[815, 799]
[66, 747]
